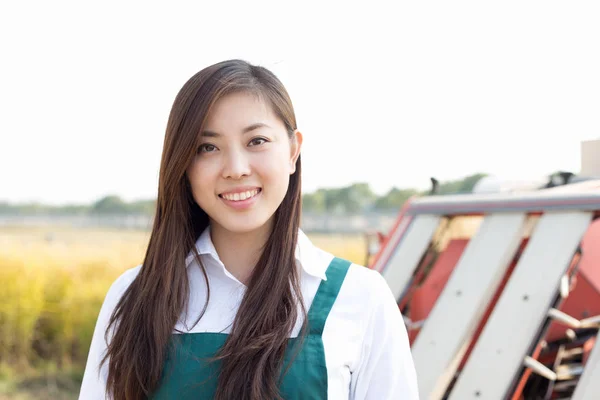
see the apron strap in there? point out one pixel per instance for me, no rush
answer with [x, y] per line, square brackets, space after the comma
[326, 295]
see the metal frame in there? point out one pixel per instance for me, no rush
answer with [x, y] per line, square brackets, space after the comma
[406, 256]
[464, 300]
[588, 386]
[483, 366]
[531, 202]
[504, 344]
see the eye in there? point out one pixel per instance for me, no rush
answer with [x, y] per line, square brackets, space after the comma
[257, 141]
[207, 148]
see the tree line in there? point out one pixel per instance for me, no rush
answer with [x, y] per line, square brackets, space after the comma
[352, 199]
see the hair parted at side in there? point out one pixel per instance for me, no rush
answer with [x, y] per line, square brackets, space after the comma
[145, 317]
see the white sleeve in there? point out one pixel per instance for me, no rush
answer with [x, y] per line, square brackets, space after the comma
[385, 370]
[93, 386]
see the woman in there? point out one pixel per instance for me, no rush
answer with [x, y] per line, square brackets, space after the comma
[232, 301]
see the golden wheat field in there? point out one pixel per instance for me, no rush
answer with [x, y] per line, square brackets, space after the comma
[53, 281]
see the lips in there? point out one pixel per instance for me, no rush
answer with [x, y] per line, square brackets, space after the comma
[240, 195]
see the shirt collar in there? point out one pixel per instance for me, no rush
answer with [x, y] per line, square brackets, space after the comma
[306, 254]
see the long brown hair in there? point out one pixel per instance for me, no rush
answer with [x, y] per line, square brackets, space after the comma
[145, 317]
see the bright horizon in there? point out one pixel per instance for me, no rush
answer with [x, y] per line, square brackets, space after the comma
[389, 95]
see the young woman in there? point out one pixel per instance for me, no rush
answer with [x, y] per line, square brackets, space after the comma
[232, 300]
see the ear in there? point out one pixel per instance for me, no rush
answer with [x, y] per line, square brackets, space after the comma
[296, 146]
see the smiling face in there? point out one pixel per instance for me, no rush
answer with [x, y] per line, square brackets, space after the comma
[243, 164]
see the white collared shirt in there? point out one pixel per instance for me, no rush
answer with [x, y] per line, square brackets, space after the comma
[365, 340]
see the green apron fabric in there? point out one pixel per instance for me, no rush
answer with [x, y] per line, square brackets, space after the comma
[186, 374]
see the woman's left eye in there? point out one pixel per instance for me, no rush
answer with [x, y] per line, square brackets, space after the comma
[257, 141]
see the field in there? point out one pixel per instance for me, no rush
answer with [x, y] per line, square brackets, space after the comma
[53, 283]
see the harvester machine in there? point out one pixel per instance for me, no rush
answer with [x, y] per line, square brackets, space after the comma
[500, 292]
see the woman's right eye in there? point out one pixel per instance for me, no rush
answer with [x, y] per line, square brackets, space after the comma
[206, 148]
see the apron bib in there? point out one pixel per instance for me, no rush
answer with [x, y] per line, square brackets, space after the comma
[187, 374]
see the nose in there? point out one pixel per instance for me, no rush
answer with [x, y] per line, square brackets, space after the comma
[236, 165]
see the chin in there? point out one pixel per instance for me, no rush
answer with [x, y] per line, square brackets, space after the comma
[242, 225]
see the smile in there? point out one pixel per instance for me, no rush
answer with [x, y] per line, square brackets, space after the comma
[240, 196]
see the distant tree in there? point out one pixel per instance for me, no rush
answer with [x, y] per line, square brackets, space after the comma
[333, 200]
[32, 209]
[71, 209]
[146, 207]
[464, 185]
[350, 199]
[358, 197]
[314, 202]
[110, 205]
[6, 208]
[394, 199]
[470, 181]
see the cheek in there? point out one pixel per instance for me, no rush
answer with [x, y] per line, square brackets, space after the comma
[200, 180]
[274, 168]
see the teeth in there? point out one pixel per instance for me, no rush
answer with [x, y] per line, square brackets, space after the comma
[240, 196]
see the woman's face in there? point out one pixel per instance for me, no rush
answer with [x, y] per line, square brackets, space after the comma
[242, 168]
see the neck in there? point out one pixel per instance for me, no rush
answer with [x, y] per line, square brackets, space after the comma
[239, 252]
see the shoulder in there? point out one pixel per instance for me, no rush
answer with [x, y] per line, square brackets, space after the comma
[366, 298]
[371, 280]
[384, 367]
[96, 372]
[367, 286]
[363, 289]
[122, 282]
[361, 283]
[120, 285]
[114, 294]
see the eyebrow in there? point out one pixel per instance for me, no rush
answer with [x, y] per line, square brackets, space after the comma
[247, 129]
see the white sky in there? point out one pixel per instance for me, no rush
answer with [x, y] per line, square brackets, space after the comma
[388, 93]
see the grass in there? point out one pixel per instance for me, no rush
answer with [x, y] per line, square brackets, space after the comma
[47, 386]
[54, 280]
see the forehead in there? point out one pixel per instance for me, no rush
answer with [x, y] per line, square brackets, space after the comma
[236, 111]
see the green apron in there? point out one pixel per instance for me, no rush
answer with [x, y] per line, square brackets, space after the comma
[186, 374]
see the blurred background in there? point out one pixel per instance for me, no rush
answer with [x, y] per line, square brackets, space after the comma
[395, 99]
